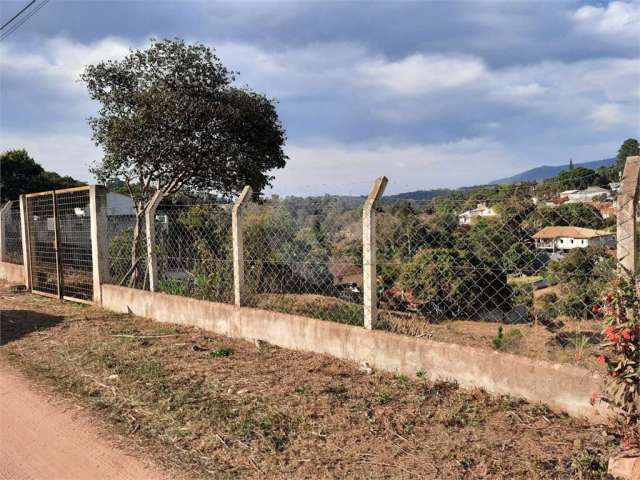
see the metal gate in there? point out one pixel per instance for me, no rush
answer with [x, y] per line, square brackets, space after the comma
[59, 234]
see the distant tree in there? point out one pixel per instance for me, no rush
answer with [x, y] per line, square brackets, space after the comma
[578, 178]
[568, 214]
[519, 258]
[449, 283]
[170, 119]
[21, 174]
[629, 148]
[581, 267]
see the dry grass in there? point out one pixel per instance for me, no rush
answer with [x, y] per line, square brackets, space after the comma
[575, 342]
[206, 406]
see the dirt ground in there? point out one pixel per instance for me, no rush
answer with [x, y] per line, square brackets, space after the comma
[42, 439]
[206, 406]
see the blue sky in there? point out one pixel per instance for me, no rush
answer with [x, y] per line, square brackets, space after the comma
[430, 94]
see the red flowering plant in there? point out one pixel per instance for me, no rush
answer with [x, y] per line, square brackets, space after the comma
[620, 352]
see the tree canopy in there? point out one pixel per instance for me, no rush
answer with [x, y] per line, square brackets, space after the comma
[22, 174]
[170, 118]
[578, 178]
[629, 148]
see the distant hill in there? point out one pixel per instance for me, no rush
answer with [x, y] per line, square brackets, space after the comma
[546, 171]
[426, 195]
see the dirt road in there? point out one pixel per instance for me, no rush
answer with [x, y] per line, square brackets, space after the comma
[40, 440]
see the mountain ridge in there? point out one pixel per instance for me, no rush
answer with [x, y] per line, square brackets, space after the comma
[546, 171]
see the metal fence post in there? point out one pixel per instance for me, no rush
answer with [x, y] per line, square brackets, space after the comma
[150, 229]
[627, 210]
[369, 280]
[4, 214]
[238, 250]
[26, 250]
[99, 240]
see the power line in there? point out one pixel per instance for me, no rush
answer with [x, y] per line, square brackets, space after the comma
[17, 14]
[24, 19]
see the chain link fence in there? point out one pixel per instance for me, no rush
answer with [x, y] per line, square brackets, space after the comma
[127, 258]
[304, 256]
[507, 257]
[194, 251]
[504, 254]
[12, 242]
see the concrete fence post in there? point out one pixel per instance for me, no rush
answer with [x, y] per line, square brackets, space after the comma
[627, 247]
[150, 229]
[99, 240]
[5, 210]
[26, 250]
[238, 245]
[369, 280]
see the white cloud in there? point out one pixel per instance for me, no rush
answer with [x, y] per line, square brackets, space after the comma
[531, 89]
[420, 74]
[60, 60]
[617, 19]
[607, 114]
[350, 169]
[430, 92]
[66, 153]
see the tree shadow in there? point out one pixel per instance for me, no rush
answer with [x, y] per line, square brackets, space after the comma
[15, 324]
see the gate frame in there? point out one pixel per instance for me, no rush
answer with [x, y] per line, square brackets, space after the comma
[98, 230]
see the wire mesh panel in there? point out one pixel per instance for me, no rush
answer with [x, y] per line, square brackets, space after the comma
[42, 243]
[194, 251]
[304, 256]
[12, 252]
[74, 223]
[507, 254]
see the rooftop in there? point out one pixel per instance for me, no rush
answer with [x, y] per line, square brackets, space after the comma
[572, 232]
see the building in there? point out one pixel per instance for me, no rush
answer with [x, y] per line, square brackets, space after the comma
[562, 239]
[606, 209]
[587, 195]
[465, 218]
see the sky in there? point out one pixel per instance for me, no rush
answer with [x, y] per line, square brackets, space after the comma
[430, 94]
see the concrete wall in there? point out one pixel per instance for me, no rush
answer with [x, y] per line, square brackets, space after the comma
[12, 273]
[562, 387]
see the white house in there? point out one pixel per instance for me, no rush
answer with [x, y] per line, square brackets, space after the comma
[568, 238]
[481, 210]
[587, 195]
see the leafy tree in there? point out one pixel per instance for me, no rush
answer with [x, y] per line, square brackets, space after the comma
[629, 148]
[569, 214]
[519, 258]
[170, 119]
[21, 174]
[578, 178]
[449, 283]
[582, 266]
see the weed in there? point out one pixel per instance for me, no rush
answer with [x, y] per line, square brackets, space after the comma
[384, 398]
[502, 341]
[539, 410]
[421, 374]
[221, 352]
[401, 378]
[587, 465]
[498, 341]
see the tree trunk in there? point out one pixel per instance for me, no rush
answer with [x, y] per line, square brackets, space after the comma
[136, 247]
